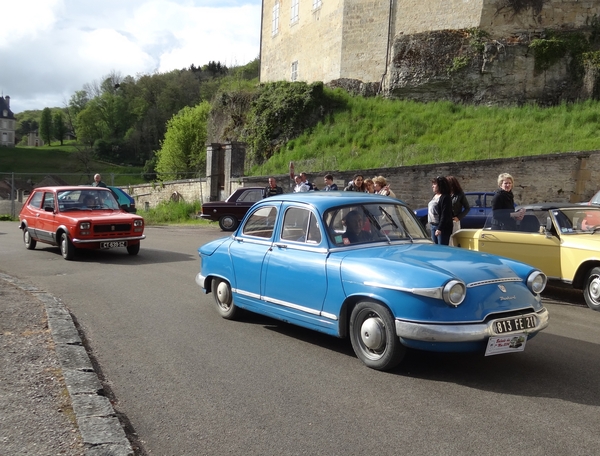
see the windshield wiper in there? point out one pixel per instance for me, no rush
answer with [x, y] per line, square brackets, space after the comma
[374, 221]
[394, 224]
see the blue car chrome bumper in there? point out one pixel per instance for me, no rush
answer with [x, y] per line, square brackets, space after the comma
[460, 333]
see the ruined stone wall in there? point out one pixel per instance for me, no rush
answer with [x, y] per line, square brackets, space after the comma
[504, 73]
[416, 16]
[351, 38]
[501, 19]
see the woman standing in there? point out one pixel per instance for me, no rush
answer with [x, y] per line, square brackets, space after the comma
[440, 211]
[357, 184]
[504, 216]
[382, 187]
[460, 204]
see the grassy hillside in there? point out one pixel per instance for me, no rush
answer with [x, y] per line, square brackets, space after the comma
[36, 162]
[377, 133]
[374, 133]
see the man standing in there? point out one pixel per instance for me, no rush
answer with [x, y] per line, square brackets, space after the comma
[98, 181]
[300, 186]
[272, 188]
[330, 186]
[305, 181]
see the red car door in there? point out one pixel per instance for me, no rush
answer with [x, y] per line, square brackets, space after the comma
[46, 220]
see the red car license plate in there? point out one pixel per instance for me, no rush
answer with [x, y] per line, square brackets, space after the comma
[113, 244]
[514, 324]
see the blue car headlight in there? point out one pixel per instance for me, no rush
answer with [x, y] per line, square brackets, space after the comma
[537, 281]
[454, 293]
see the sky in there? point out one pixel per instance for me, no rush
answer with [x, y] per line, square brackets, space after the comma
[49, 49]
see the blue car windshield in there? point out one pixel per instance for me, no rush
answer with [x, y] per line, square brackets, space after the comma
[371, 223]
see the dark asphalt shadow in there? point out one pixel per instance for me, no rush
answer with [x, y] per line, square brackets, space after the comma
[551, 366]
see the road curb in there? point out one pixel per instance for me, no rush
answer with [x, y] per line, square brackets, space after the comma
[98, 424]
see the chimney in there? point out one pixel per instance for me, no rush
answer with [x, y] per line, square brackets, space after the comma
[7, 99]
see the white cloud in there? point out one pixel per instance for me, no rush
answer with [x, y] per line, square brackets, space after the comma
[64, 44]
[26, 19]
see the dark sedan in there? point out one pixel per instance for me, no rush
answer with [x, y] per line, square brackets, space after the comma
[481, 207]
[230, 212]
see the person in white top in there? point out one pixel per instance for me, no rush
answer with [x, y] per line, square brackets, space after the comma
[300, 186]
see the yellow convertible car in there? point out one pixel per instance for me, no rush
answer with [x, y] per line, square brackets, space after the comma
[561, 239]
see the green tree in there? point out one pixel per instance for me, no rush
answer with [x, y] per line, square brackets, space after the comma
[183, 150]
[46, 125]
[77, 103]
[59, 128]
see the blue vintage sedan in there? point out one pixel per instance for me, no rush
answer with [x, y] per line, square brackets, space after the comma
[361, 266]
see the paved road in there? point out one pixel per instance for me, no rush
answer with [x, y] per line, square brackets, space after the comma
[191, 383]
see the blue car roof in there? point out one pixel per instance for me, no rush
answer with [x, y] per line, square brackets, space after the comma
[325, 200]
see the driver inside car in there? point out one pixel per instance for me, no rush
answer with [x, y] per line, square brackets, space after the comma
[354, 229]
[89, 201]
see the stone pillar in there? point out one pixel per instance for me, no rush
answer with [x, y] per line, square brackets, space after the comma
[213, 170]
[235, 158]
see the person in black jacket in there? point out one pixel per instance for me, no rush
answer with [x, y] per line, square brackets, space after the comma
[504, 216]
[460, 204]
[272, 188]
[440, 233]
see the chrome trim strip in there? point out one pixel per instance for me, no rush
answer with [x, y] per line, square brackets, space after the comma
[428, 292]
[245, 293]
[253, 240]
[329, 315]
[90, 241]
[291, 306]
[492, 281]
[461, 332]
[285, 304]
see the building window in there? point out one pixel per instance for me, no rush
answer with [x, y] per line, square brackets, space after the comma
[275, 23]
[294, 76]
[294, 16]
[317, 4]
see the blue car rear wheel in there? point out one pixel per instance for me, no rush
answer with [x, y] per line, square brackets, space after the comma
[221, 291]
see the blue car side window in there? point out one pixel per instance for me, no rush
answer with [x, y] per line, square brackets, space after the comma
[261, 222]
[300, 225]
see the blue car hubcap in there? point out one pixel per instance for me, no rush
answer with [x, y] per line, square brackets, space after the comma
[372, 333]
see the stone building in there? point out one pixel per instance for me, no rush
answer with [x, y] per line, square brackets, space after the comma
[8, 123]
[392, 44]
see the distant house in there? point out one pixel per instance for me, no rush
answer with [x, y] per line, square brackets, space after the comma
[8, 123]
[34, 140]
[50, 181]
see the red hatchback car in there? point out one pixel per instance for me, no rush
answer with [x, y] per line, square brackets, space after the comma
[79, 218]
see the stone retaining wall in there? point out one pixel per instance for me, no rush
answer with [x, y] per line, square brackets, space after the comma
[568, 177]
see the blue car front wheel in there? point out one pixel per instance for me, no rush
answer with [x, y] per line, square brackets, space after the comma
[373, 336]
